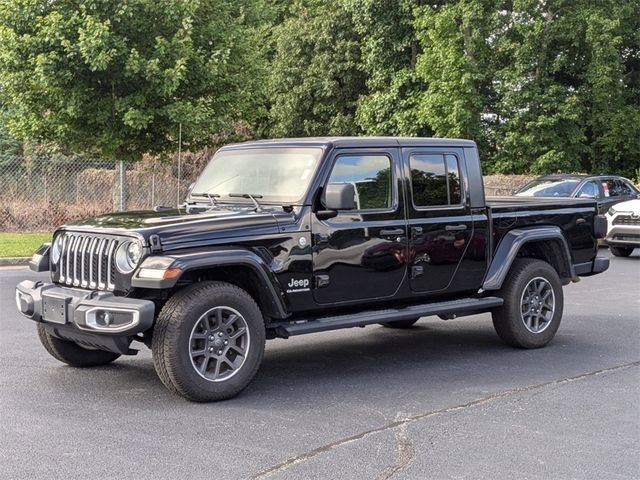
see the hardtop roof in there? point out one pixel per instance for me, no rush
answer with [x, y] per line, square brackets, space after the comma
[355, 142]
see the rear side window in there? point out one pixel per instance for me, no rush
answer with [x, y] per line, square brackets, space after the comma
[371, 177]
[435, 180]
[622, 188]
[614, 188]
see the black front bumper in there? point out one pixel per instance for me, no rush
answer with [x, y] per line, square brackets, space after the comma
[90, 318]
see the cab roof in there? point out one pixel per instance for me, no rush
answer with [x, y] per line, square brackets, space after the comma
[354, 142]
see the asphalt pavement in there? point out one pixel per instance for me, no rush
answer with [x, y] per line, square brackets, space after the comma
[445, 400]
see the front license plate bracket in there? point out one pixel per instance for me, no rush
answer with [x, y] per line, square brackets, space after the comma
[54, 309]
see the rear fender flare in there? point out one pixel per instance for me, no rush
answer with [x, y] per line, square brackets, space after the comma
[512, 243]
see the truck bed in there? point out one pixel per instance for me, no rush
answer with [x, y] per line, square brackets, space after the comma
[574, 216]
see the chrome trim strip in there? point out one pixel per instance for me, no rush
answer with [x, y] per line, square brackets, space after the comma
[110, 262]
[92, 253]
[103, 242]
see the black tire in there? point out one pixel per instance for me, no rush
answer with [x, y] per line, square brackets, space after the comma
[401, 324]
[509, 320]
[621, 251]
[71, 353]
[173, 341]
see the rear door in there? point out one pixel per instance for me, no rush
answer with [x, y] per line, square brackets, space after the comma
[361, 254]
[439, 217]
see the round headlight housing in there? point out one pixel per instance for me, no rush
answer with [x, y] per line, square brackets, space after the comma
[56, 249]
[128, 256]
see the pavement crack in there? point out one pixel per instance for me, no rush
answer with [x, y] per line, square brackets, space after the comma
[406, 453]
[406, 448]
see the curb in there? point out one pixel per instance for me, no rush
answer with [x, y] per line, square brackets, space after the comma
[14, 261]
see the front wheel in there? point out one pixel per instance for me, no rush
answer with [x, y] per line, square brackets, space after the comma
[71, 353]
[621, 251]
[208, 341]
[533, 304]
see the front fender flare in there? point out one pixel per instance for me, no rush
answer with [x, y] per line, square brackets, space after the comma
[511, 244]
[218, 257]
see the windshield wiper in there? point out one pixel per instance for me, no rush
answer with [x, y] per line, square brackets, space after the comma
[210, 196]
[251, 196]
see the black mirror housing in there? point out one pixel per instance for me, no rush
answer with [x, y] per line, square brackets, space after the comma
[339, 196]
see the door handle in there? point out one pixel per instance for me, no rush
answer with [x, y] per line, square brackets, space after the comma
[392, 232]
[455, 228]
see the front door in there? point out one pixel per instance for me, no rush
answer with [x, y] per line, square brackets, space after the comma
[361, 254]
[441, 226]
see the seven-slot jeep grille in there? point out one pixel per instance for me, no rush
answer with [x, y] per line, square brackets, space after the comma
[87, 261]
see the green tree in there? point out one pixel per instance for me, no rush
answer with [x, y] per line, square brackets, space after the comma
[118, 77]
[390, 51]
[457, 66]
[315, 78]
[611, 89]
[9, 145]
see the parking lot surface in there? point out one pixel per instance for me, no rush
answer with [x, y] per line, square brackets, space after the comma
[445, 400]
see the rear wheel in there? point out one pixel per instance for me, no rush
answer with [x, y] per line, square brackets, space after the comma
[621, 251]
[71, 353]
[533, 304]
[208, 341]
[401, 324]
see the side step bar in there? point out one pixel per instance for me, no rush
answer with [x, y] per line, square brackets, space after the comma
[467, 306]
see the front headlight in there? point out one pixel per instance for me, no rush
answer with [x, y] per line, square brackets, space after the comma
[128, 256]
[56, 249]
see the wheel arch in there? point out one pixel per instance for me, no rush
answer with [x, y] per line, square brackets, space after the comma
[240, 267]
[544, 243]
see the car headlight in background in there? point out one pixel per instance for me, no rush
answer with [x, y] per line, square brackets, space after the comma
[128, 256]
[56, 249]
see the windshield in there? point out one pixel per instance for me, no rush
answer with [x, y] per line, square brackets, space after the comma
[549, 188]
[275, 175]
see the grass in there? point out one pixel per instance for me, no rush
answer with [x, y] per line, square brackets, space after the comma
[21, 244]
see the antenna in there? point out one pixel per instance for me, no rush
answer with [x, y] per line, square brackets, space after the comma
[179, 161]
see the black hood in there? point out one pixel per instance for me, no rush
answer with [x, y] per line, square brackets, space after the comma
[178, 229]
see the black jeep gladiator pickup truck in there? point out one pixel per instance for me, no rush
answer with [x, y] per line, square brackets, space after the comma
[292, 236]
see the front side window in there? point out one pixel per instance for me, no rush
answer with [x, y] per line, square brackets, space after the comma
[435, 180]
[589, 190]
[370, 175]
[278, 175]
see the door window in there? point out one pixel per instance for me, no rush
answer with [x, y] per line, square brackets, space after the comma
[589, 190]
[435, 180]
[370, 175]
[610, 188]
[622, 188]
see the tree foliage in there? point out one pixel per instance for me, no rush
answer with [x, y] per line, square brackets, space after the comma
[540, 85]
[118, 77]
[316, 80]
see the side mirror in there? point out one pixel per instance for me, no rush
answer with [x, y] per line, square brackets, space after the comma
[586, 195]
[339, 196]
[336, 196]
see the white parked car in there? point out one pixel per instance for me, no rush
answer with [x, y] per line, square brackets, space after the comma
[623, 234]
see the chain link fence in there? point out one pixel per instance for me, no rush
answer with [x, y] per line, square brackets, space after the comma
[38, 193]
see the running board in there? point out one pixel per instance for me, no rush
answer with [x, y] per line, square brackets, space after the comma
[450, 309]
